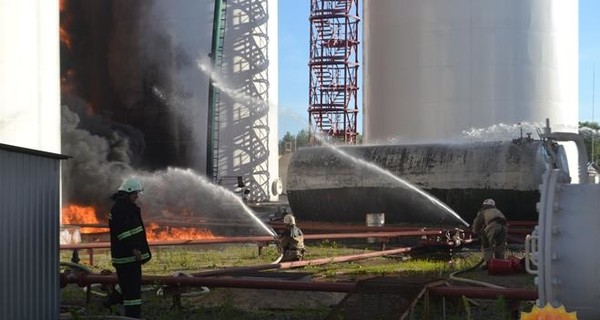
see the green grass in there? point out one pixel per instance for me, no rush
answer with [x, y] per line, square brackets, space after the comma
[168, 260]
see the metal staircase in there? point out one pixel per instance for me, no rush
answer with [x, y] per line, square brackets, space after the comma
[333, 105]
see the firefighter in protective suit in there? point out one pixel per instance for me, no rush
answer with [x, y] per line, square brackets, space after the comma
[128, 245]
[291, 242]
[490, 225]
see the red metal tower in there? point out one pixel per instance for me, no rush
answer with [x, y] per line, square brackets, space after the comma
[333, 104]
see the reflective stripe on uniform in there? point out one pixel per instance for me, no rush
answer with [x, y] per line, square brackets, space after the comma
[129, 233]
[145, 255]
[123, 260]
[135, 302]
[110, 216]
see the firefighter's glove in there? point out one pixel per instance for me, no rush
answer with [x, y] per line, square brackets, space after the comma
[137, 254]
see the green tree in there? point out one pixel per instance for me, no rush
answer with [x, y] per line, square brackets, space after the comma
[287, 143]
[291, 142]
[302, 139]
[591, 137]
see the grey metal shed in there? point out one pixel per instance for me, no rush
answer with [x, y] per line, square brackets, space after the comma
[29, 231]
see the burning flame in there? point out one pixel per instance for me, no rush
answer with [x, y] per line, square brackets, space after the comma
[156, 232]
[64, 35]
[86, 217]
[66, 84]
[79, 215]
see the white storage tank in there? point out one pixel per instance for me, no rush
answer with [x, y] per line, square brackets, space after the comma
[434, 68]
[29, 75]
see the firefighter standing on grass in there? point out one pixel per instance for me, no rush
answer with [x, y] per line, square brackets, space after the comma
[490, 225]
[291, 242]
[128, 244]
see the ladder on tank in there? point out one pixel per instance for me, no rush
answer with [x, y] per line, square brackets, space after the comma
[214, 94]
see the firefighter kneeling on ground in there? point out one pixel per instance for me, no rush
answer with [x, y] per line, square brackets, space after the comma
[490, 225]
[291, 241]
[129, 247]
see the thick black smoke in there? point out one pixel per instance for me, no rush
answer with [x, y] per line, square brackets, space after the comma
[135, 105]
[98, 162]
[101, 162]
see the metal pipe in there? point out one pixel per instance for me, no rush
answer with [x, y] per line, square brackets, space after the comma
[292, 285]
[362, 235]
[303, 263]
[87, 279]
[82, 280]
[289, 285]
[100, 245]
[485, 293]
[334, 227]
[578, 140]
[581, 151]
[259, 239]
[306, 225]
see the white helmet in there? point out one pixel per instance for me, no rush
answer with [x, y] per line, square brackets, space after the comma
[289, 219]
[131, 185]
[489, 202]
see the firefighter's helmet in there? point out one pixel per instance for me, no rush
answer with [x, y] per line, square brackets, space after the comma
[130, 185]
[489, 202]
[289, 219]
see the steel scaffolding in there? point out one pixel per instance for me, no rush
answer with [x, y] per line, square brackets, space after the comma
[333, 103]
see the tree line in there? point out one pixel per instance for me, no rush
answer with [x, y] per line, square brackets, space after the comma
[291, 142]
[590, 133]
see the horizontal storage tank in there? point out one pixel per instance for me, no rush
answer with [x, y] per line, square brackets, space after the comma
[346, 183]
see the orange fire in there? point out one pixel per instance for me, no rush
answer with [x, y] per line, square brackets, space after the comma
[64, 35]
[78, 215]
[86, 216]
[155, 232]
[66, 84]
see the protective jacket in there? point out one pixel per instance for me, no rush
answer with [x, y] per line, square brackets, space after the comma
[490, 225]
[292, 244]
[127, 233]
[486, 217]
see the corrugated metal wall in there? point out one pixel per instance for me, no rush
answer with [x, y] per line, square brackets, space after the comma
[29, 229]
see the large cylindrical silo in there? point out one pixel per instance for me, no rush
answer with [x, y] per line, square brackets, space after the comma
[435, 68]
[29, 75]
